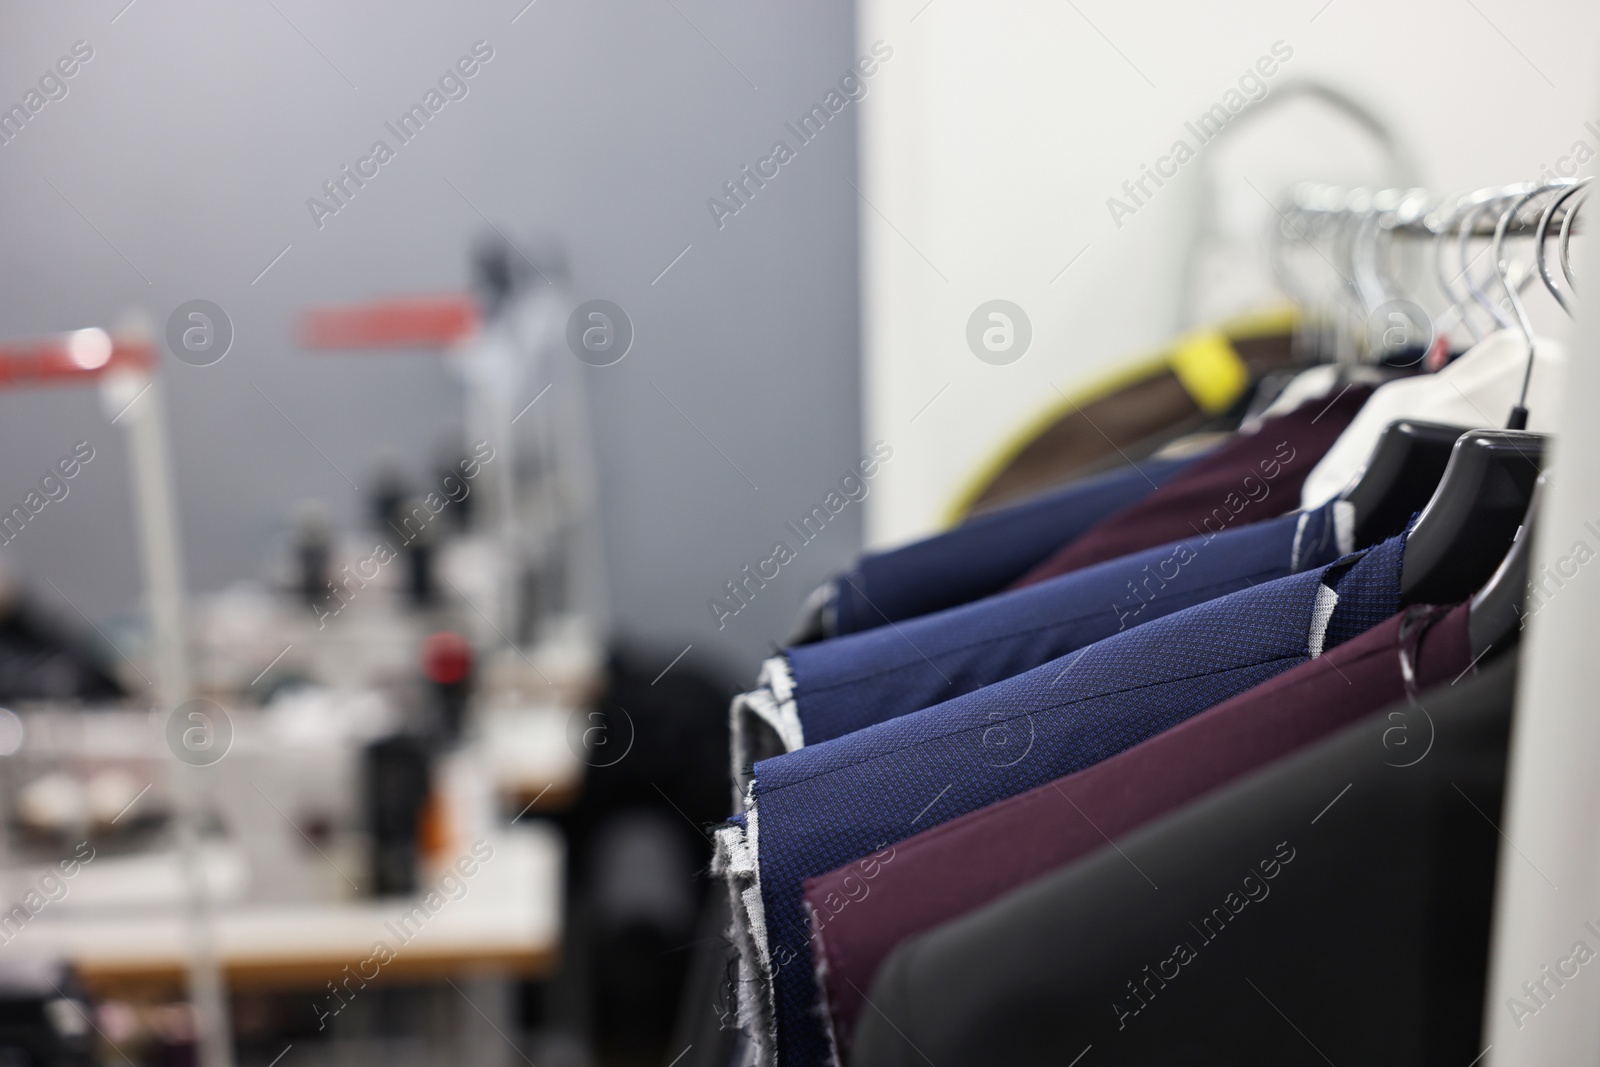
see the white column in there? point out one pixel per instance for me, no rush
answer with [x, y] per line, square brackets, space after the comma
[156, 512]
[1548, 887]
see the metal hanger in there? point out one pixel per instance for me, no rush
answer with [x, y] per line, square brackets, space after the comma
[1394, 211]
[1565, 248]
[1442, 226]
[1495, 198]
[1545, 220]
[1399, 170]
[1306, 340]
[1519, 413]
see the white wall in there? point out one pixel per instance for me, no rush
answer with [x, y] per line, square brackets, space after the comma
[990, 147]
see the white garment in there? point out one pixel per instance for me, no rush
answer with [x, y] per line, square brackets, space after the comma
[1475, 391]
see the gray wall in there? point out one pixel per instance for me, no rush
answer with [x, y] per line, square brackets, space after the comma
[191, 142]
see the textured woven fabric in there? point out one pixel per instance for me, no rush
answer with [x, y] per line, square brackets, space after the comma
[964, 864]
[986, 553]
[1255, 476]
[1332, 908]
[827, 804]
[849, 683]
[1365, 594]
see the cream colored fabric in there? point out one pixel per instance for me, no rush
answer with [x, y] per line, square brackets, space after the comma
[1475, 391]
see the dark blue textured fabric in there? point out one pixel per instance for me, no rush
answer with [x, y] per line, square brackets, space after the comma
[986, 553]
[1364, 590]
[852, 682]
[825, 805]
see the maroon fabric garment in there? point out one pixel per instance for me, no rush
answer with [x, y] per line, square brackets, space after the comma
[860, 913]
[1255, 476]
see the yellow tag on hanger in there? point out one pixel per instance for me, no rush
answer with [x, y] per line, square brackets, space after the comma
[1210, 370]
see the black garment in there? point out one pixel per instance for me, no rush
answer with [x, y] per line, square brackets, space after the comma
[657, 748]
[706, 1020]
[1334, 907]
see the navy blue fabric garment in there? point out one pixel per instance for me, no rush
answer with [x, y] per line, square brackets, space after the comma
[986, 553]
[826, 805]
[852, 682]
[1364, 594]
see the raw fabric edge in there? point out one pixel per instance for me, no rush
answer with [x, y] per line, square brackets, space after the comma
[737, 859]
[763, 722]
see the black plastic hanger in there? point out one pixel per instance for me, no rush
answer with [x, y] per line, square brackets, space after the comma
[1463, 534]
[1406, 467]
[1496, 611]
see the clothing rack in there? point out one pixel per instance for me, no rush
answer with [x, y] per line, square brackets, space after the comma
[1414, 213]
[1405, 495]
[1353, 231]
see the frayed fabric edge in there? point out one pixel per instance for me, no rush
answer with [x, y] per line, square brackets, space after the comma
[737, 860]
[763, 723]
